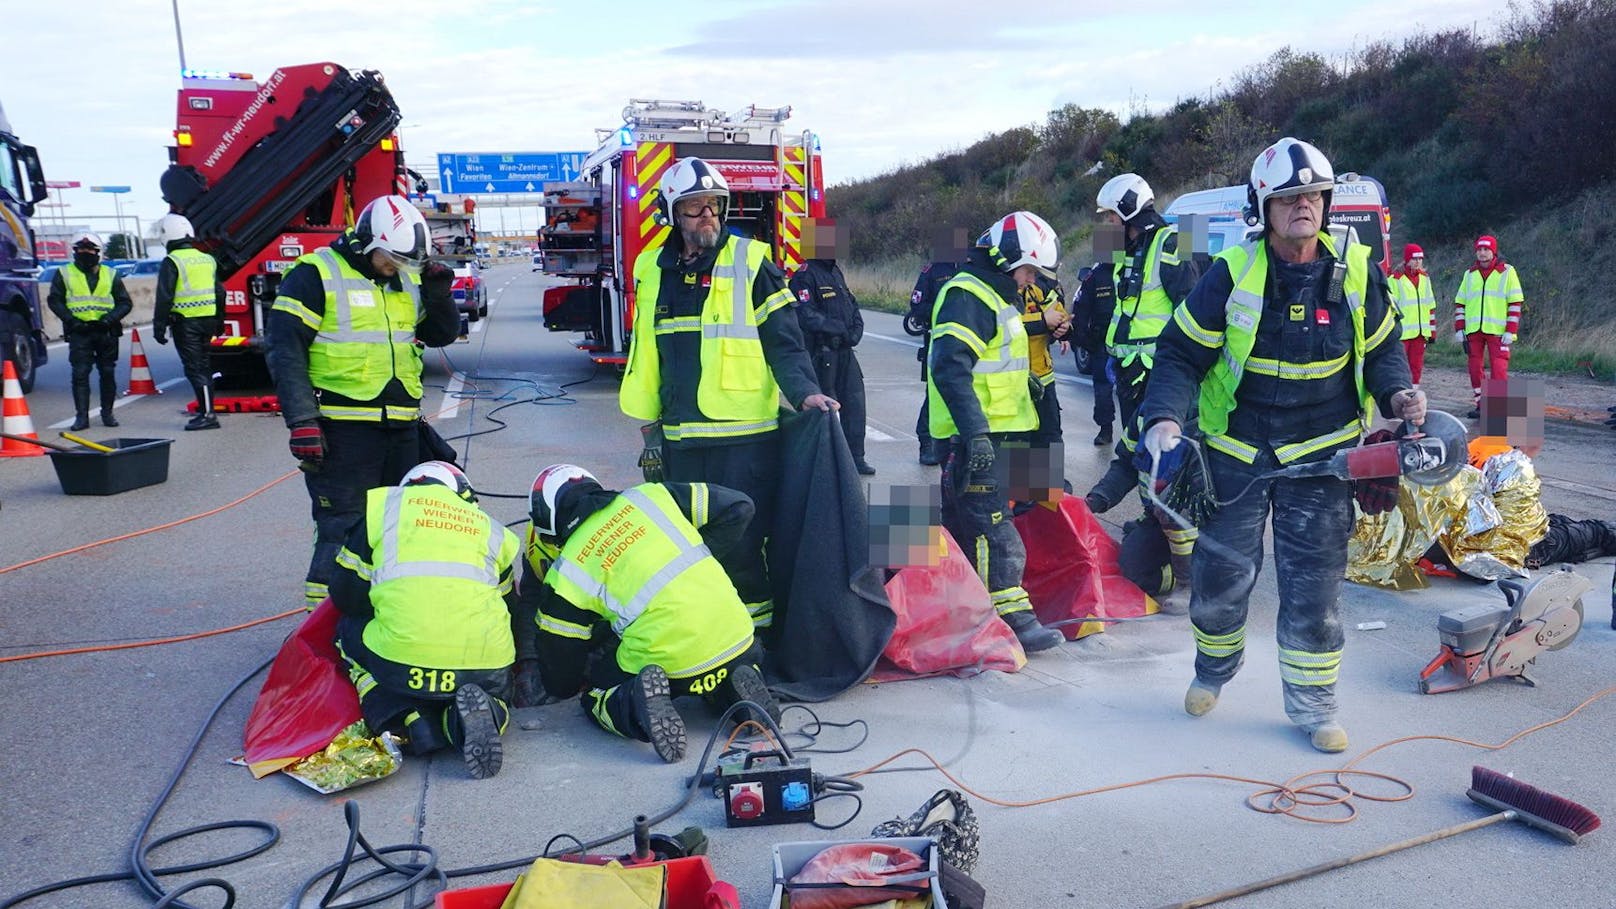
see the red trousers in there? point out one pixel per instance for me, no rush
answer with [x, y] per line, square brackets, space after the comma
[1479, 347]
[1415, 349]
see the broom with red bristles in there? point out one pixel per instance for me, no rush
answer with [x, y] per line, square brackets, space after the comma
[1514, 800]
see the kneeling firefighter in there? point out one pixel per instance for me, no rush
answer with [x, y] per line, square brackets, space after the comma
[422, 585]
[631, 579]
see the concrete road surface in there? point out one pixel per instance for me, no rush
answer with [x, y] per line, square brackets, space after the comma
[88, 741]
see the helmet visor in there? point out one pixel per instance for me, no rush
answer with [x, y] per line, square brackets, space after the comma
[407, 265]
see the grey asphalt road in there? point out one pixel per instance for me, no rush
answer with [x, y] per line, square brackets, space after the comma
[88, 741]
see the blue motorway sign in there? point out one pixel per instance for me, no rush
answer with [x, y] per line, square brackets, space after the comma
[506, 172]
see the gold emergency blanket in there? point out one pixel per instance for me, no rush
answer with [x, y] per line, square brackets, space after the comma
[1486, 520]
[352, 758]
[1502, 520]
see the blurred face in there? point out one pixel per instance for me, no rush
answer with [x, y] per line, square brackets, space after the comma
[1417, 263]
[383, 264]
[697, 218]
[1484, 256]
[1025, 275]
[1110, 217]
[1296, 218]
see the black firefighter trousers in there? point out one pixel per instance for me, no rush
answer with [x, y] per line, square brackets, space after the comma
[751, 464]
[93, 348]
[193, 342]
[976, 515]
[1312, 519]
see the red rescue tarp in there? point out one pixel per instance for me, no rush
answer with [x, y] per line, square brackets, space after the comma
[946, 623]
[306, 700]
[1072, 570]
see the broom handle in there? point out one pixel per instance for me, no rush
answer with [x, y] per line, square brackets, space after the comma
[45, 443]
[1288, 877]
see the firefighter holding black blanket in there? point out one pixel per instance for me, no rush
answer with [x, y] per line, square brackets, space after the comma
[980, 391]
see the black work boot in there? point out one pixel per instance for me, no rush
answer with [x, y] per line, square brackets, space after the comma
[930, 451]
[1103, 437]
[1032, 635]
[863, 467]
[659, 722]
[81, 421]
[107, 419]
[746, 684]
[202, 420]
[480, 747]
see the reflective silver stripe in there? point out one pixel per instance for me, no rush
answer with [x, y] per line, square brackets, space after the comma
[1301, 667]
[1219, 645]
[1289, 453]
[1010, 365]
[728, 654]
[340, 284]
[1318, 369]
[674, 326]
[1232, 447]
[698, 504]
[680, 431]
[691, 554]
[591, 587]
[740, 305]
[390, 567]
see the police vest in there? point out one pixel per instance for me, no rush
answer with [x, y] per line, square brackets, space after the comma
[1416, 306]
[1248, 264]
[83, 303]
[639, 564]
[435, 568]
[1148, 311]
[999, 376]
[1035, 302]
[1485, 301]
[736, 390]
[194, 294]
[365, 339]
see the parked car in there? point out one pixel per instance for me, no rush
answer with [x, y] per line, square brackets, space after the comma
[470, 291]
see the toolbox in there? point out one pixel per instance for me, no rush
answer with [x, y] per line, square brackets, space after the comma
[789, 859]
[134, 463]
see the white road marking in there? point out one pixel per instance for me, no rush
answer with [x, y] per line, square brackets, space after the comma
[122, 400]
[451, 398]
[870, 432]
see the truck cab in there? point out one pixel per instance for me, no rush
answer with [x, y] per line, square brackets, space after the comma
[22, 186]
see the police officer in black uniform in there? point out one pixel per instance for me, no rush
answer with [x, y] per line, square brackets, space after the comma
[91, 301]
[832, 326]
[1091, 315]
[948, 250]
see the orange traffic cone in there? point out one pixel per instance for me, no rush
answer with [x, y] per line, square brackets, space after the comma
[16, 421]
[140, 378]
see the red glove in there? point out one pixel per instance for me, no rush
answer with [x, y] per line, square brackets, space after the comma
[307, 442]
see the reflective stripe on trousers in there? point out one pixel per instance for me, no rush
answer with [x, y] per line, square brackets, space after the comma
[1312, 519]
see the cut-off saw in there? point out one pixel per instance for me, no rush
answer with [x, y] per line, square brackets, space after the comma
[1491, 640]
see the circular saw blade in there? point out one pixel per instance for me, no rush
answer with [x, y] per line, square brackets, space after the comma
[1563, 642]
[1455, 439]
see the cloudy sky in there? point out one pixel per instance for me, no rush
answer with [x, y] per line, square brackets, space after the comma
[884, 82]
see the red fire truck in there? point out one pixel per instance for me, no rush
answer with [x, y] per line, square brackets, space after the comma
[267, 171]
[596, 227]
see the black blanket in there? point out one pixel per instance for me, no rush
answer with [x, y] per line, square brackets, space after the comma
[831, 615]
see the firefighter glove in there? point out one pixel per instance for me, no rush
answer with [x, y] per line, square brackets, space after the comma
[528, 686]
[437, 272]
[651, 456]
[980, 455]
[1509, 338]
[307, 442]
[1376, 496]
[160, 334]
[1458, 338]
